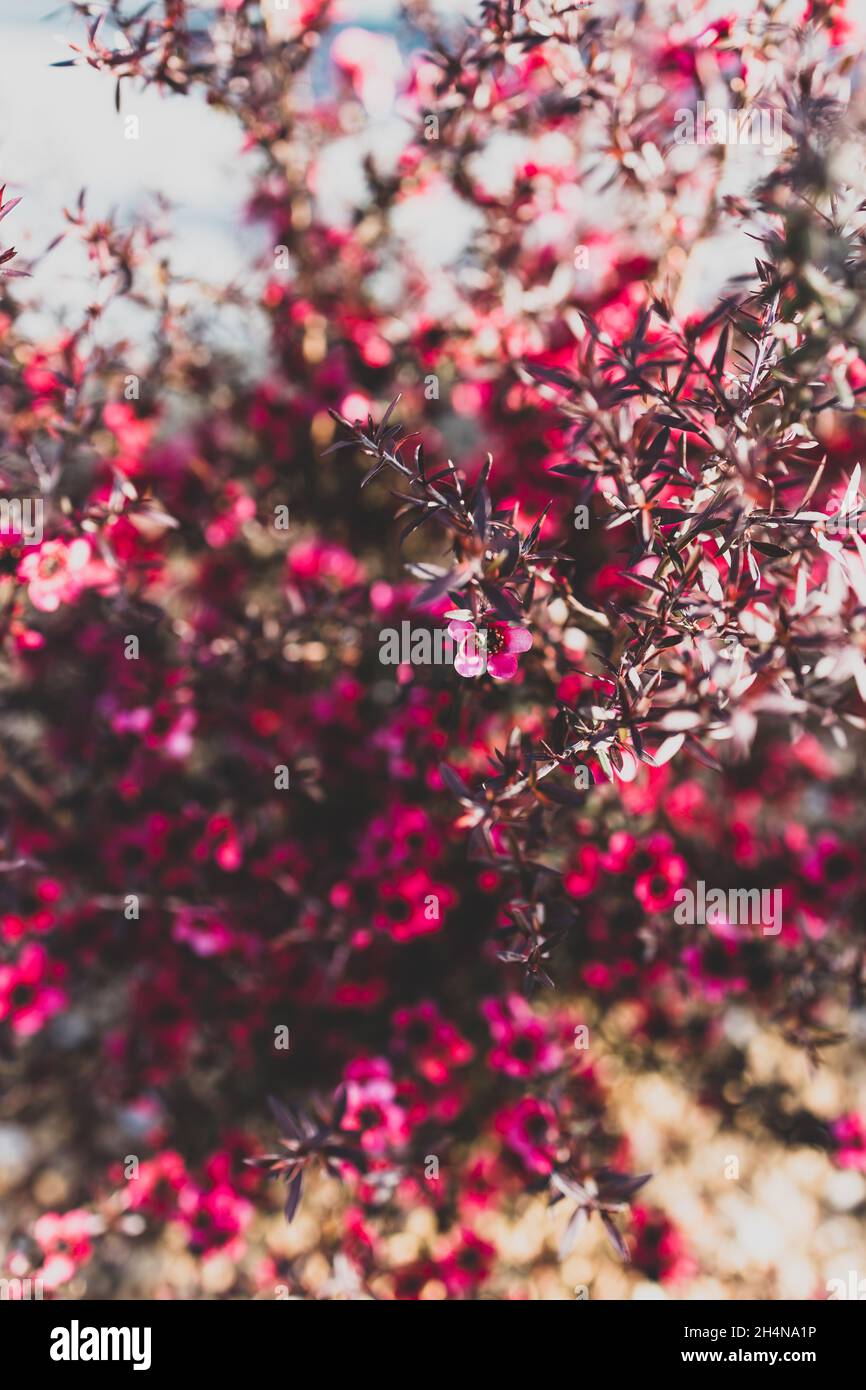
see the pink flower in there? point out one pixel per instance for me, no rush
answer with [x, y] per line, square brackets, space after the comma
[27, 999]
[621, 846]
[371, 1106]
[660, 1249]
[59, 571]
[313, 561]
[52, 573]
[832, 866]
[492, 647]
[64, 1239]
[411, 904]
[215, 1219]
[664, 872]
[156, 1188]
[529, 1129]
[523, 1047]
[656, 891]
[582, 880]
[849, 1131]
[133, 434]
[434, 1044]
[467, 1264]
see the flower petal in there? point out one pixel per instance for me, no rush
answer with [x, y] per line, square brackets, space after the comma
[470, 661]
[518, 639]
[502, 666]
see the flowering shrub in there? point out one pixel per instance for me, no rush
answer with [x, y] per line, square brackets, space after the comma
[273, 907]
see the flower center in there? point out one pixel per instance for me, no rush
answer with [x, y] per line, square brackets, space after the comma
[370, 1116]
[495, 640]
